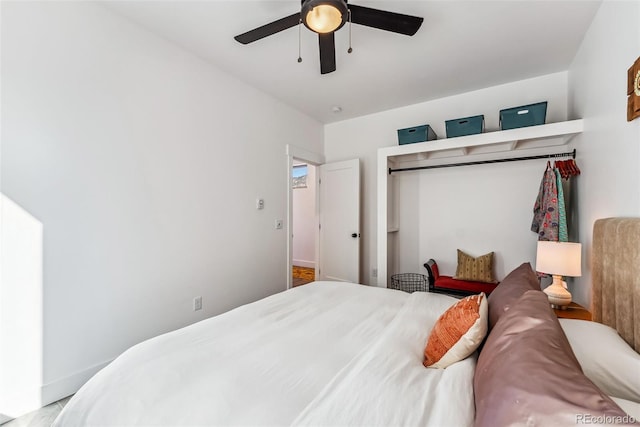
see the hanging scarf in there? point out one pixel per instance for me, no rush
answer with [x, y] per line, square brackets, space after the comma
[563, 234]
[545, 210]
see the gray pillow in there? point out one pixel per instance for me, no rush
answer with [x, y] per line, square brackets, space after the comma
[527, 373]
[516, 283]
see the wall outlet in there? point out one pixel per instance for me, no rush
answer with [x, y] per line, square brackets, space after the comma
[278, 224]
[374, 273]
[197, 303]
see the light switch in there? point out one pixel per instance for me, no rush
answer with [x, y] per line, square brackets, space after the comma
[259, 203]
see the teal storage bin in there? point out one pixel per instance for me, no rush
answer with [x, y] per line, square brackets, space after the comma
[464, 126]
[416, 134]
[526, 115]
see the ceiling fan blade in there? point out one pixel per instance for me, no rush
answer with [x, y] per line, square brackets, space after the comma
[269, 29]
[383, 20]
[327, 53]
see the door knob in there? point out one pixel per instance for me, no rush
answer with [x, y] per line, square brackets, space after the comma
[355, 235]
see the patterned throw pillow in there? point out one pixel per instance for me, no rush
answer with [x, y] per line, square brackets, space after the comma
[457, 333]
[478, 269]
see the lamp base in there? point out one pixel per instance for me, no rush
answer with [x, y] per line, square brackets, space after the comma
[559, 296]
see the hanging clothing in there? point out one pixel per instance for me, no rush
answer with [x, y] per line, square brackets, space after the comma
[563, 233]
[545, 209]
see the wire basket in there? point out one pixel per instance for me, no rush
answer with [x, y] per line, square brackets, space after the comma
[409, 282]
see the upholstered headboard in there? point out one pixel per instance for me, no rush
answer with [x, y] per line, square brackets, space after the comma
[615, 264]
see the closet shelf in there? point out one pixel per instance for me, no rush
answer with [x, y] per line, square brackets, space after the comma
[549, 135]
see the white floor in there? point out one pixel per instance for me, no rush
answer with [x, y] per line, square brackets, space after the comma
[41, 418]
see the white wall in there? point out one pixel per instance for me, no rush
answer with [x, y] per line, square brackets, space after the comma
[123, 147]
[21, 237]
[435, 205]
[609, 148]
[478, 209]
[305, 222]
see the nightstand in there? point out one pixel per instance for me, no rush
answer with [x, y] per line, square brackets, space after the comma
[573, 311]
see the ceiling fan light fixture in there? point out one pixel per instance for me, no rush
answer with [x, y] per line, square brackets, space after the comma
[324, 16]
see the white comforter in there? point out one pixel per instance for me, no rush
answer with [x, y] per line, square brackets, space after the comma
[326, 353]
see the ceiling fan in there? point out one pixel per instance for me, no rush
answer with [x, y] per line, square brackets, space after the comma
[327, 16]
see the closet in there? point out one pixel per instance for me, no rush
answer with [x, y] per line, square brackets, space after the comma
[492, 147]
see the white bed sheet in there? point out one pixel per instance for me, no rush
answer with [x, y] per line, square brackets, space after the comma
[387, 385]
[630, 407]
[291, 358]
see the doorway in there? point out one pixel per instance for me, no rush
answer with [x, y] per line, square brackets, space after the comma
[339, 195]
[304, 222]
[297, 155]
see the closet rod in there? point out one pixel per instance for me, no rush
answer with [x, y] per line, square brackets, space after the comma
[482, 162]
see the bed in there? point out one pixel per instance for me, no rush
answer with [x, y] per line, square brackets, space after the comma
[294, 358]
[332, 353]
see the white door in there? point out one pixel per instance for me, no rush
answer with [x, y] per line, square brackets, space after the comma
[339, 241]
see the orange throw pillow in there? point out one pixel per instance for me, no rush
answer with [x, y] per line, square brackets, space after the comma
[458, 332]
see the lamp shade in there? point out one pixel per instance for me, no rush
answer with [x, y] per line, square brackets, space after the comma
[324, 16]
[559, 258]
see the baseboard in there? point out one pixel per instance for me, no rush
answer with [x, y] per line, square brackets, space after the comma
[67, 386]
[303, 263]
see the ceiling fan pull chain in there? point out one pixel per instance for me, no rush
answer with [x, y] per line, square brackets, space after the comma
[299, 42]
[349, 50]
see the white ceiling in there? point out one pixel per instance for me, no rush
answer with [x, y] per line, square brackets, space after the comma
[461, 46]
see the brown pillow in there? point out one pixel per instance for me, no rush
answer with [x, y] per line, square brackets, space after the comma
[527, 373]
[457, 333]
[478, 269]
[511, 288]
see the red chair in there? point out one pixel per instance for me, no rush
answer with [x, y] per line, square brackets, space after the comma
[449, 285]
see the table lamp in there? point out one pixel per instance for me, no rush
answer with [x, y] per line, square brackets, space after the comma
[559, 259]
